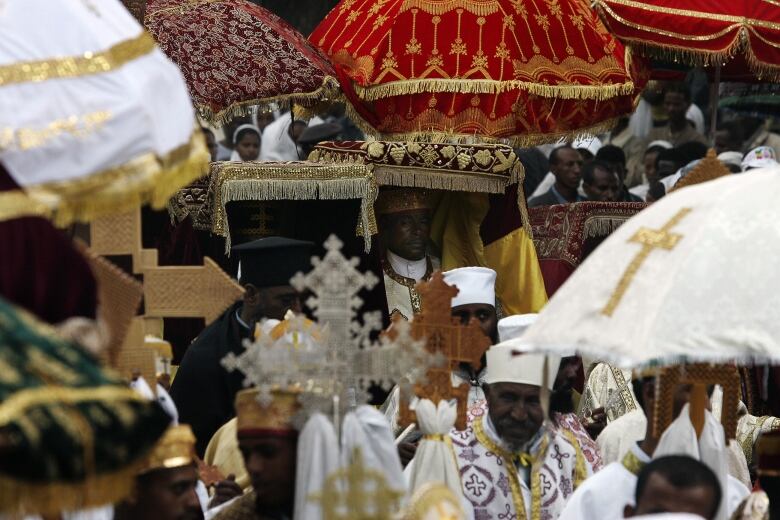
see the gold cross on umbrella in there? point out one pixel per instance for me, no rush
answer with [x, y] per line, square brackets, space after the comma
[651, 239]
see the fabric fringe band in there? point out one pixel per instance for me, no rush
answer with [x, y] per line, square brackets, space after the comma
[486, 86]
[311, 102]
[703, 58]
[438, 180]
[363, 188]
[52, 498]
[146, 179]
[600, 226]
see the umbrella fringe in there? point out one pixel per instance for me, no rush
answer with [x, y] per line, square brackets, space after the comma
[701, 58]
[307, 187]
[485, 86]
[149, 179]
[599, 226]
[313, 102]
[51, 498]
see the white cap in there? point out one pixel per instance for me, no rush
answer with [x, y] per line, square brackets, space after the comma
[475, 285]
[760, 157]
[507, 364]
[660, 142]
[589, 142]
[513, 327]
[731, 159]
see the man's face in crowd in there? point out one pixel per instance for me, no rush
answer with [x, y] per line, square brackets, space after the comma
[676, 106]
[270, 462]
[660, 496]
[666, 168]
[169, 494]
[566, 377]
[484, 314]
[567, 168]
[649, 163]
[270, 302]
[516, 412]
[605, 187]
[407, 233]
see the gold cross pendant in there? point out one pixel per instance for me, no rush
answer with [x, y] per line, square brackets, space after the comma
[650, 239]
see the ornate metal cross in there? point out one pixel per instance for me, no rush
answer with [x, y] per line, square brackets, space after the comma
[650, 239]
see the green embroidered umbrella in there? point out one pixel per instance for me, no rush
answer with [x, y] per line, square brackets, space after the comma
[72, 435]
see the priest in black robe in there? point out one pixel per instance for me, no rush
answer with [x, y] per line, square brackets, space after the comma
[203, 390]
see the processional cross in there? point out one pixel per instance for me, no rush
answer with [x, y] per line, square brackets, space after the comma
[651, 239]
[447, 338]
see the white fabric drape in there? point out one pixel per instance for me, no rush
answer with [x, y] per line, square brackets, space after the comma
[318, 457]
[435, 459]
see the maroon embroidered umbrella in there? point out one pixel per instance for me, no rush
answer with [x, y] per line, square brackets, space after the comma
[235, 54]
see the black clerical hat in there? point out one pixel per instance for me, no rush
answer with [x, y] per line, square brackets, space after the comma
[272, 261]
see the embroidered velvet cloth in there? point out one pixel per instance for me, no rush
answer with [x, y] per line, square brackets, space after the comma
[701, 32]
[565, 234]
[517, 69]
[235, 54]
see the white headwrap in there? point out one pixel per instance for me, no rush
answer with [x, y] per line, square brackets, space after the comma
[234, 156]
[475, 285]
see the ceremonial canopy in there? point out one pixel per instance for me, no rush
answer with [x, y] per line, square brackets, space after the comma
[526, 71]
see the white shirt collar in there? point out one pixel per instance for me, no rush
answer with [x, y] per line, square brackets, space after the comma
[414, 269]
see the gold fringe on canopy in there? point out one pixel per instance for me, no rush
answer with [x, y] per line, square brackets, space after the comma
[145, 179]
[51, 498]
[329, 92]
[242, 181]
[486, 86]
[698, 57]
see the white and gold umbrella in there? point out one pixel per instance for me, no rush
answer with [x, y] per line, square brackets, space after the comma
[94, 119]
[693, 278]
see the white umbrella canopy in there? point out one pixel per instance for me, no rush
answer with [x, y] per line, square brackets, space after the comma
[693, 278]
[94, 119]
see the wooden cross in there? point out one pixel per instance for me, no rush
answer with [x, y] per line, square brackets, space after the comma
[446, 336]
[650, 239]
[169, 291]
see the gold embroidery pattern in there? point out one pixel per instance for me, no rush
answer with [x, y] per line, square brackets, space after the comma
[486, 168]
[632, 463]
[77, 126]
[514, 482]
[410, 284]
[597, 69]
[625, 394]
[650, 239]
[75, 66]
[147, 178]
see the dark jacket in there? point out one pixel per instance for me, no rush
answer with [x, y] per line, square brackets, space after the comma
[204, 392]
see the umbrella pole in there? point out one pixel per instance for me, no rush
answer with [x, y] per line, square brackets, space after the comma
[714, 98]
[698, 404]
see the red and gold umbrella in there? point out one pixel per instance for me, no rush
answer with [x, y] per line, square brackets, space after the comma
[235, 54]
[702, 32]
[524, 70]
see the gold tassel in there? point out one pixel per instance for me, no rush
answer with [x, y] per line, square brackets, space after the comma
[146, 179]
[311, 102]
[485, 86]
[52, 498]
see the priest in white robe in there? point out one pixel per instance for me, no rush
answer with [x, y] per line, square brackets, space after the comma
[513, 463]
[617, 480]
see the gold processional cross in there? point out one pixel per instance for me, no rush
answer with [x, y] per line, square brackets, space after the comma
[651, 239]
